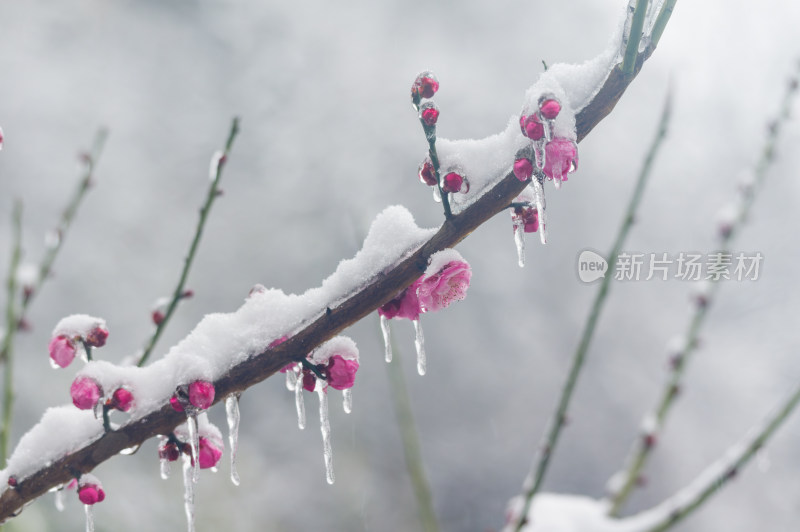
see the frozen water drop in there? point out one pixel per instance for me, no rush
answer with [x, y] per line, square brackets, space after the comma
[557, 183]
[437, 195]
[194, 441]
[519, 240]
[188, 491]
[89, 517]
[325, 427]
[387, 337]
[538, 195]
[419, 343]
[130, 450]
[298, 398]
[232, 413]
[291, 379]
[164, 468]
[59, 496]
[347, 400]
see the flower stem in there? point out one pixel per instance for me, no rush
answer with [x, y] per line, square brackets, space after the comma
[12, 320]
[661, 22]
[640, 452]
[536, 476]
[187, 264]
[411, 447]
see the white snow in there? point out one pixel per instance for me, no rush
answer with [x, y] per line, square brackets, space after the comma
[339, 345]
[78, 325]
[440, 259]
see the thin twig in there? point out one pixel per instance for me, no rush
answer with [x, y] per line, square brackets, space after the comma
[213, 192]
[261, 366]
[46, 266]
[12, 322]
[661, 21]
[642, 448]
[411, 447]
[536, 476]
[717, 475]
[635, 36]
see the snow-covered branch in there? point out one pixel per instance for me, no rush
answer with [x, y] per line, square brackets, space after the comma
[238, 352]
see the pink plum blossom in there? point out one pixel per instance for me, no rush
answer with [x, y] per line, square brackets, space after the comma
[341, 372]
[62, 351]
[549, 108]
[201, 394]
[427, 174]
[531, 126]
[209, 453]
[523, 168]
[96, 337]
[561, 158]
[122, 399]
[406, 305]
[449, 284]
[85, 392]
[169, 451]
[527, 217]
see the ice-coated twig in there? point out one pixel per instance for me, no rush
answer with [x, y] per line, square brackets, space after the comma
[661, 21]
[194, 442]
[12, 320]
[683, 503]
[232, 414]
[411, 447]
[188, 491]
[343, 313]
[387, 338]
[211, 195]
[640, 452]
[534, 480]
[325, 428]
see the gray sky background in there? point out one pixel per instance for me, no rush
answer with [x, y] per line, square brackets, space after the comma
[328, 140]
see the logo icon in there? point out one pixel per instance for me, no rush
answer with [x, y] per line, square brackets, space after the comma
[591, 266]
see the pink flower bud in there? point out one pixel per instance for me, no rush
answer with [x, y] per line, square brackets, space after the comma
[91, 493]
[444, 287]
[531, 127]
[201, 394]
[550, 108]
[85, 392]
[425, 86]
[429, 114]
[341, 372]
[12, 481]
[309, 380]
[169, 451]
[427, 174]
[406, 305]
[96, 337]
[157, 316]
[528, 217]
[122, 399]
[209, 453]
[62, 351]
[453, 182]
[176, 404]
[561, 158]
[523, 169]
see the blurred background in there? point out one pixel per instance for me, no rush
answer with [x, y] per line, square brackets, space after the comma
[328, 140]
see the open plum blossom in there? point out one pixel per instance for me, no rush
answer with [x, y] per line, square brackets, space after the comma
[449, 284]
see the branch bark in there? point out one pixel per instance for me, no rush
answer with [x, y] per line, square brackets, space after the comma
[263, 365]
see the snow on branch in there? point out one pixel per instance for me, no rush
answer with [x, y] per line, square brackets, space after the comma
[350, 294]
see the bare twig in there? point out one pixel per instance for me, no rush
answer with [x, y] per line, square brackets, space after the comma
[178, 294]
[12, 321]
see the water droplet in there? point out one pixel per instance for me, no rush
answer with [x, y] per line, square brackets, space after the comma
[188, 491]
[347, 400]
[232, 413]
[387, 337]
[130, 450]
[87, 508]
[325, 428]
[419, 343]
[59, 499]
[437, 196]
[298, 397]
[557, 183]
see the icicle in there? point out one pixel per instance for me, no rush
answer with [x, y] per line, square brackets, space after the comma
[188, 491]
[347, 400]
[298, 398]
[325, 427]
[538, 194]
[232, 412]
[89, 517]
[60, 499]
[164, 468]
[387, 337]
[291, 379]
[557, 183]
[419, 343]
[194, 441]
[519, 240]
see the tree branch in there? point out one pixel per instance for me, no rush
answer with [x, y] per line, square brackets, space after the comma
[262, 365]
